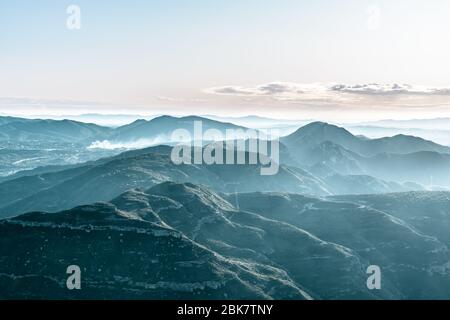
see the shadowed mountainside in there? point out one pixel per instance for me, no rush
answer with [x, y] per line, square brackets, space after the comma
[185, 241]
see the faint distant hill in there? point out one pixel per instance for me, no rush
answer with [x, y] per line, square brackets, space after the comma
[427, 124]
[440, 135]
[27, 130]
[259, 122]
[6, 120]
[328, 150]
[161, 128]
[324, 144]
[424, 167]
[157, 130]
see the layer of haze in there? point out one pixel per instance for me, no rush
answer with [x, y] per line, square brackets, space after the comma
[213, 57]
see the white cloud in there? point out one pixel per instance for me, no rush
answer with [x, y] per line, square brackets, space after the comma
[383, 89]
[132, 145]
[277, 90]
[339, 93]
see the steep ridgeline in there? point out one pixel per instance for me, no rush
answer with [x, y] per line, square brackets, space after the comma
[6, 120]
[428, 212]
[123, 256]
[316, 133]
[107, 178]
[340, 159]
[37, 130]
[177, 241]
[327, 150]
[27, 144]
[20, 130]
[407, 238]
[58, 188]
[161, 128]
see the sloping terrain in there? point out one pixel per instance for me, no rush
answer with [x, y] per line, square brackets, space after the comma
[122, 257]
[327, 150]
[161, 128]
[107, 178]
[414, 259]
[315, 133]
[26, 130]
[186, 241]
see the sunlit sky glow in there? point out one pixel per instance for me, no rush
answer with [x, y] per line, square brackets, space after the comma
[327, 59]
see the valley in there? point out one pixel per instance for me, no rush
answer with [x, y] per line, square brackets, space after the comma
[179, 152]
[160, 230]
[184, 241]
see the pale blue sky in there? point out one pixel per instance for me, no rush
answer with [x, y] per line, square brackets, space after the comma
[165, 54]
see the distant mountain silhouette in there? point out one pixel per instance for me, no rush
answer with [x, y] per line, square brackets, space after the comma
[163, 127]
[327, 150]
[18, 129]
[50, 130]
[316, 133]
[6, 120]
[318, 159]
[424, 167]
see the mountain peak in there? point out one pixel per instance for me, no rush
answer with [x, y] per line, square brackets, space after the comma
[318, 124]
[100, 211]
[321, 128]
[407, 137]
[193, 118]
[195, 194]
[317, 132]
[139, 121]
[322, 125]
[163, 118]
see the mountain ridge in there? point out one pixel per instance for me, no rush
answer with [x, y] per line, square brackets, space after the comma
[319, 132]
[204, 248]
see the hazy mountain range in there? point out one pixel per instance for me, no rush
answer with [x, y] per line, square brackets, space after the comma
[428, 124]
[29, 143]
[141, 227]
[26, 130]
[318, 159]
